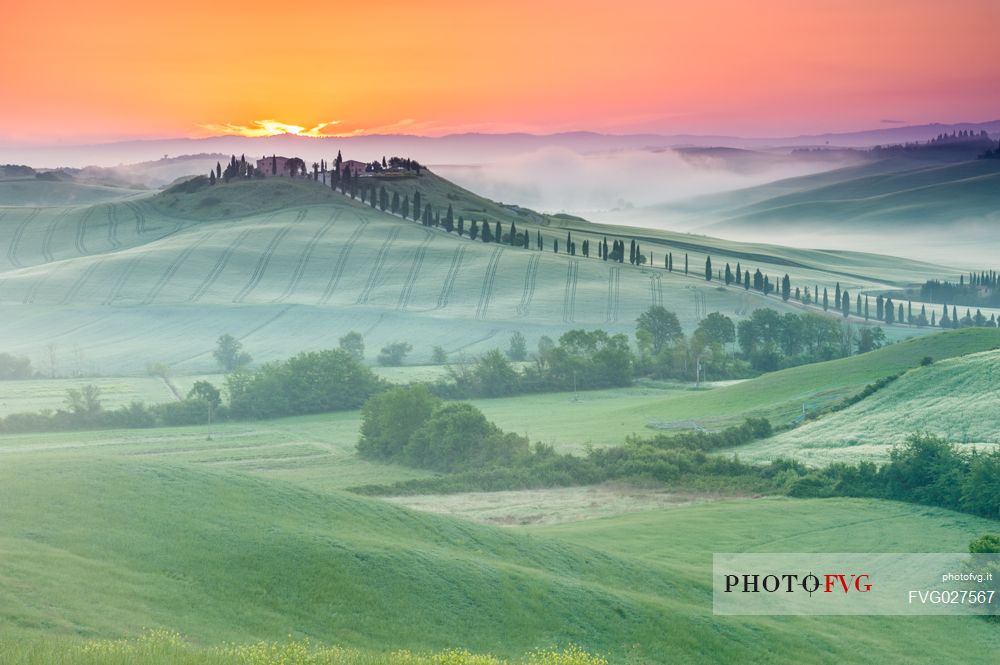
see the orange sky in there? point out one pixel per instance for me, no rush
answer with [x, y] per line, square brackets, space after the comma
[108, 69]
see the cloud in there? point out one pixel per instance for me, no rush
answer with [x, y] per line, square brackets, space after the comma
[269, 127]
[893, 122]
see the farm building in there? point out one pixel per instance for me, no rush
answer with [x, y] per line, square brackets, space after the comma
[354, 167]
[274, 165]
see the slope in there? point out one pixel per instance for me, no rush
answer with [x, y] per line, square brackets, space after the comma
[288, 265]
[104, 548]
[956, 399]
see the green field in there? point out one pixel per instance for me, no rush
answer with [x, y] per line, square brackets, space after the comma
[103, 548]
[110, 288]
[954, 399]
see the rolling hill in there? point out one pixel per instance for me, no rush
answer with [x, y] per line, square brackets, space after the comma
[955, 399]
[102, 547]
[289, 265]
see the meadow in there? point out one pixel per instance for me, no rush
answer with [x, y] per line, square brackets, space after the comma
[288, 265]
[238, 542]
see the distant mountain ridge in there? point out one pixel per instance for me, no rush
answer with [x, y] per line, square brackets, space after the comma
[467, 148]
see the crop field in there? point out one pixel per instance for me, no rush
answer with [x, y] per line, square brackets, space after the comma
[955, 399]
[101, 289]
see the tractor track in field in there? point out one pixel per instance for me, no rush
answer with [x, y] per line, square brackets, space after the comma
[479, 340]
[140, 217]
[486, 293]
[113, 227]
[338, 267]
[377, 265]
[569, 295]
[614, 294]
[411, 278]
[307, 252]
[174, 266]
[265, 259]
[123, 279]
[50, 234]
[81, 231]
[219, 266]
[268, 321]
[74, 290]
[15, 239]
[655, 289]
[530, 275]
[29, 297]
[449, 279]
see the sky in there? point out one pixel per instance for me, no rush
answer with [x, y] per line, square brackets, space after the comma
[105, 70]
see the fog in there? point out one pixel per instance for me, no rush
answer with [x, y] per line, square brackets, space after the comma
[555, 179]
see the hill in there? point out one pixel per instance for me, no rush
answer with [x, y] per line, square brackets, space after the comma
[114, 546]
[34, 192]
[921, 196]
[289, 265]
[954, 399]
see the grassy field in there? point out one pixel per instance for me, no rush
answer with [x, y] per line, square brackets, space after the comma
[288, 265]
[955, 399]
[102, 548]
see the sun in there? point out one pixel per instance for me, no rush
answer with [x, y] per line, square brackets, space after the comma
[269, 127]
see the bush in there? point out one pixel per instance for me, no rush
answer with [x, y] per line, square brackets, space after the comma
[314, 382]
[393, 354]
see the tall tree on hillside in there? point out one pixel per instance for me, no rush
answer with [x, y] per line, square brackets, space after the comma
[899, 314]
[211, 177]
[826, 300]
[857, 309]
[404, 210]
[513, 234]
[746, 280]
[417, 207]
[474, 230]
[880, 308]
[555, 245]
[739, 273]
[685, 263]
[845, 304]
[395, 203]
[836, 295]
[945, 322]
[538, 239]
[729, 275]
[487, 235]
[786, 287]
[890, 311]
[954, 316]
[498, 232]
[708, 268]
[867, 311]
[218, 170]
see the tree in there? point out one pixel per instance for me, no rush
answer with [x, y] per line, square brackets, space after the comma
[439, 356]
[206, 392]
[84, 403]
[662, 326]
[716, 328]
[826, 300]
[494, 375]
[392, 355]
[786, 287]
[229, 353]
[211, 177]
[354, 344]
[845, 304]
[389, 419]
[518, 349]
[870, 338]
[708, 268]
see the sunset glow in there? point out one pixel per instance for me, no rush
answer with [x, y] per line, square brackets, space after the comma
[112, 69]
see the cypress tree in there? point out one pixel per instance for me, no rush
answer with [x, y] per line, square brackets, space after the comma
[880, 308]
[211, 177]
[487, 235]
[826, 300]
[498, 233]
[836, 294]
[555, 245]
[786, 288]
[416, 204]
[899, 315]
[845, 304]
[866, 308]
[538, 239]
[461, 225]
[746, 280]
[513, 234]
[685, 263]
[395, 203]
[739, 274]
[729, 275]
[708, 268]
[474, 230]
[858, 306]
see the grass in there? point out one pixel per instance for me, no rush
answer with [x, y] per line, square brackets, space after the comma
[108, 289]
[101, 548]
[955, 399]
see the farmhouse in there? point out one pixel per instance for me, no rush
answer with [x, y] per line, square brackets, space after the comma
[274, 165]
[354, 167]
